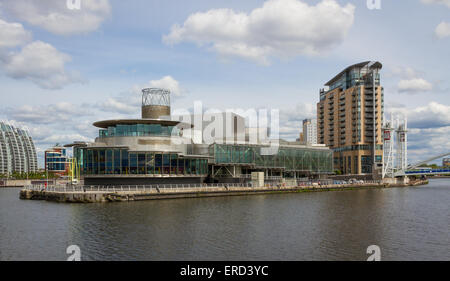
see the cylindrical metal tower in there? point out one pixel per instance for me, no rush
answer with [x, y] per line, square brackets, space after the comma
[155, 103]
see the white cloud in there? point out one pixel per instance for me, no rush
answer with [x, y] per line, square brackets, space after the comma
[114, 105]
[443, 2]
[64, 139]
[56, 17]
[59, 113]
[13, 34]
[432, 115]
[424, 143]
[443, 30]
[414, 85]
[291, 119]
[129, 102]
[281, 28]
[169, 83]
[405, 72]
[428, 129]
[41, 63]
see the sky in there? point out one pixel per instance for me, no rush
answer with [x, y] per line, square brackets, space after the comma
[66, 64]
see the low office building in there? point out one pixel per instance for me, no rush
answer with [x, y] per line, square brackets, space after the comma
[156, 149]
[17, 151]
[56, 161]
[446, 162]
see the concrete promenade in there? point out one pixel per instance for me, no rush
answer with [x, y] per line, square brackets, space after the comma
[98, 194]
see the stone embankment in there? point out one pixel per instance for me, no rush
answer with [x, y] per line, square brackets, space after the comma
[121, 194]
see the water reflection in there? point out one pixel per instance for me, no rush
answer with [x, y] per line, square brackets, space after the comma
[407, 223]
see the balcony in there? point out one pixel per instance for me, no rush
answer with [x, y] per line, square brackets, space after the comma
[370, 110]
[370, 135]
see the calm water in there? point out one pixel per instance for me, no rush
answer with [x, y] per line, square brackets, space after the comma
[406, 223]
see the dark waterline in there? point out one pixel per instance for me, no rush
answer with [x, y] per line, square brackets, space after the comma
[406, 223]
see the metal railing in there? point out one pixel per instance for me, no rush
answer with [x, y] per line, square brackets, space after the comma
[115, 188]
[178, 187]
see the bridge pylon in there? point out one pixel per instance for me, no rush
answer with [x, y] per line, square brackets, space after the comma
[388, 149]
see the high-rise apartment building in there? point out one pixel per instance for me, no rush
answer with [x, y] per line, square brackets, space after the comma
[17, 151]
[310, 131]
[350, 116]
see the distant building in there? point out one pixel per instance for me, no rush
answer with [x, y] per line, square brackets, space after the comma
[17, 151]
[350, 116]
[56, 161]
[446, 162]
[300, 139]
[309, 135]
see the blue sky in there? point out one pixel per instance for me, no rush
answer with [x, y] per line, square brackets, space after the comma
[62, 69]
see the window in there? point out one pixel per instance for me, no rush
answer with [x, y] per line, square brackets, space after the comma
[117, 161]
[173, 164]
[95, 162]
[150, 163]
[125, 167]
[141, 163]
[109, 161]
[166, 164]
[158, 164]
[133, 163]
[187, 164]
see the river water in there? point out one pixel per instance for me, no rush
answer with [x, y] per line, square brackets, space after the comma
[406, 223]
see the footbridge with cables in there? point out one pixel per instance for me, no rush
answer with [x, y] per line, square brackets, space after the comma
[415, 170]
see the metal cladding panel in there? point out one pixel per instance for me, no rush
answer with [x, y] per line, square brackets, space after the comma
[155, 111]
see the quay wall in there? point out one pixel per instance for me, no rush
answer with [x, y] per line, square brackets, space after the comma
[171, 193]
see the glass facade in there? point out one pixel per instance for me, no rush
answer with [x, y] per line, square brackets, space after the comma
[56, 160]
[106, 161]
[139, 130]
[354, 76]
[288, 158]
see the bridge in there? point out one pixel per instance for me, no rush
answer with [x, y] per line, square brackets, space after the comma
[415, 170]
